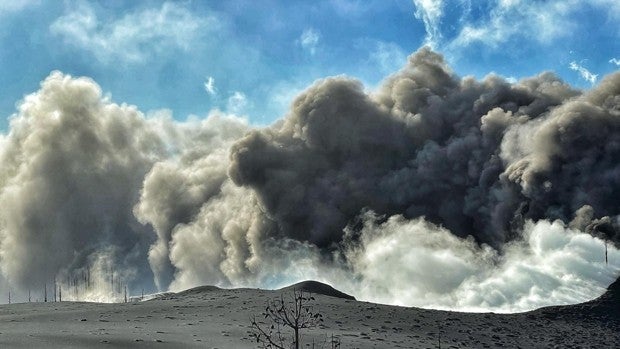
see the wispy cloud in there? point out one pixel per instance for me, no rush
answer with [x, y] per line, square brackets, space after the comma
[134, 36]
[612, 7]
[583, 72]
[615, 61]
[210, 86]
[430, 12]
[237, 103]
[388, 56]
[505, 20]
[13, 6]
[309, 40]
[516, 18]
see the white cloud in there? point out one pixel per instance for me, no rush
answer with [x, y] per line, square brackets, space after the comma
[283, 93]
[612, 7]
[615, 61]
[13, 6]
[511, 79]
[388, 56]
[134, 36]
[505, 20]
[348, 7]
[583, 72]
[549, 20]
[309, 40]
[237, 103]
[210, 86]
[430, 12]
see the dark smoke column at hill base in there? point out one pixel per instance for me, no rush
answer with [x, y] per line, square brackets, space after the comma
[394, 196]
[476, 157]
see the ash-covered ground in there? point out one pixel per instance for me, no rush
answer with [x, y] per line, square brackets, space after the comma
[210, 317]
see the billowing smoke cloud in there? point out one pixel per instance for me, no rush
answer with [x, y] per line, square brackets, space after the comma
[434, 190]
[414, 262]
[176, 189]
[425, 144]
[72, 166]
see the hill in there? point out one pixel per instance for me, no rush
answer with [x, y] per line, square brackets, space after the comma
[317, 288]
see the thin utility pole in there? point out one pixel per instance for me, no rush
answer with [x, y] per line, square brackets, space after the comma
[606, 261]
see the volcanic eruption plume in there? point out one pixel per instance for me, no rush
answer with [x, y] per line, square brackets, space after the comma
[432, 190]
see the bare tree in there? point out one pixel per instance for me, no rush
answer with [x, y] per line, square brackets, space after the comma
[282, 315]
[334, 342]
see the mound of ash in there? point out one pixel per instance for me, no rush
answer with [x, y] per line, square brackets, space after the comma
[605, 308]
[190, 293]
[198, 290]
[317, 288]
[609, 301]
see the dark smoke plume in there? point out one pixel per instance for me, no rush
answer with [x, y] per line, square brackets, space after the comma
[476, 157]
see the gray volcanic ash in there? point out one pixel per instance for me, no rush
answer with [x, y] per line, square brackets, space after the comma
[214, 317]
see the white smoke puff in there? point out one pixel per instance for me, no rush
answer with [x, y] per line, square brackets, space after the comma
[175, 189]
[213, 248]
[71, 168]
[227, 244]
[416, 263]
[412, 262]
[99, 281]
[553, 264]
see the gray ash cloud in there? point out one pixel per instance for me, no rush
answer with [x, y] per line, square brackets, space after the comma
[477, 157]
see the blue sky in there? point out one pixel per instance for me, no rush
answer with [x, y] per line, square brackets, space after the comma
[252, 57]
